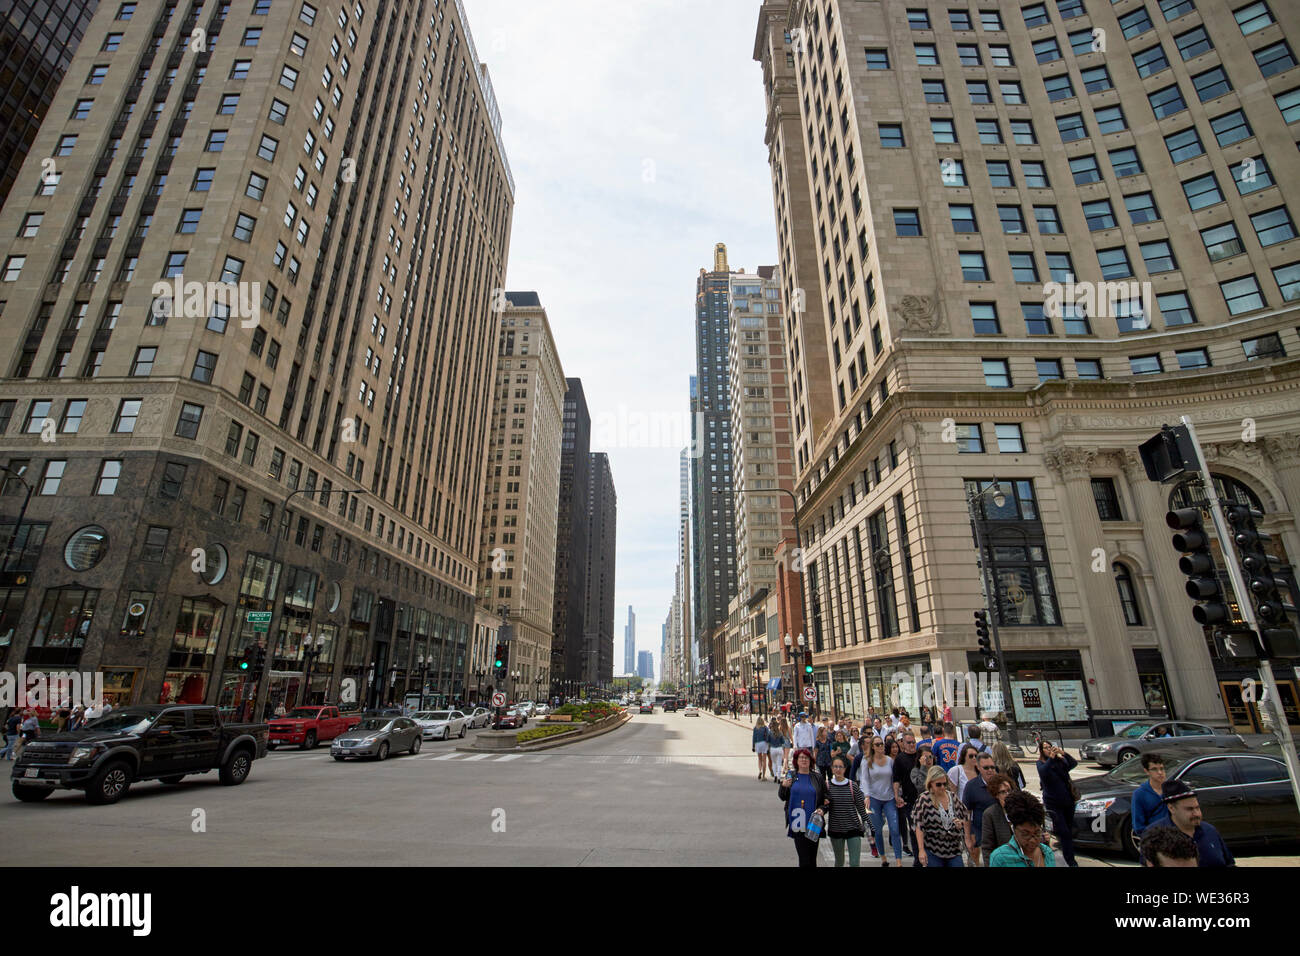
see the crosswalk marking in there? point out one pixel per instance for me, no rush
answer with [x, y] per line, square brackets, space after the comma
[480, 757]
[451, 756]
[633, 759]
[504, 757]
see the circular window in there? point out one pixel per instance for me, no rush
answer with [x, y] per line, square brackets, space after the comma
[335, 596]
[217, 562]
[86, 548]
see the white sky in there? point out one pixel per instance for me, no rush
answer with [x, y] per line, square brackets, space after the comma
[635, 132]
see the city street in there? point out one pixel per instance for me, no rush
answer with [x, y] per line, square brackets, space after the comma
[664, 790]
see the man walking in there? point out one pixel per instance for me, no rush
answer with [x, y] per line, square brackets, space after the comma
[945, 748]
[977, 798]
[1185, 811]
[805, 734]
[905, 792]
[1149, 809]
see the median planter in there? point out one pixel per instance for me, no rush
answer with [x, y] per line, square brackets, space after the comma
[544, 737]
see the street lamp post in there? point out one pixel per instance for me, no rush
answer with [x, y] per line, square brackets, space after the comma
[976, 504]
[312, 648]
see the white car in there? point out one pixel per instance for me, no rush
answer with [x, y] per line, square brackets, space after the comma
[541, 710]
[441, 724]
[528, 707]
[690, 710]
[480, 718]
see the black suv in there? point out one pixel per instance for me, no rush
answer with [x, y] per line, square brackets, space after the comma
[670, 707]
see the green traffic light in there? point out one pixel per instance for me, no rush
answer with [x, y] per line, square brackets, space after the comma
[807, 669]
[243, 665]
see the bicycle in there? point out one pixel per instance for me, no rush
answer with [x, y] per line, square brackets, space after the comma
[1032, 738]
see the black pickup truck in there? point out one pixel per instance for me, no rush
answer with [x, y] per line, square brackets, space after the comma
[163, 743]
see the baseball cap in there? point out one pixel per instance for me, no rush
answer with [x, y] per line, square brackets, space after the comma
[1175, 790]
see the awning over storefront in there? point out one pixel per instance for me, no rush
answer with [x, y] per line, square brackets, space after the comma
[774, 684]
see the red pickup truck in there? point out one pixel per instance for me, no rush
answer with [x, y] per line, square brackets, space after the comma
[308, 726]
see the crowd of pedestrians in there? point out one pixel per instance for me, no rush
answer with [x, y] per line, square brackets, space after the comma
[935, 801]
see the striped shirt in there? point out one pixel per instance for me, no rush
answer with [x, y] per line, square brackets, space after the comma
[941, 841]
[848, 808]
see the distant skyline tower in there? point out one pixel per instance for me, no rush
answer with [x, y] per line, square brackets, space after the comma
[629, 642]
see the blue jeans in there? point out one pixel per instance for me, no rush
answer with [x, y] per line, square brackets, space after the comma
[932, 860]
[7, 753]
[890, 813]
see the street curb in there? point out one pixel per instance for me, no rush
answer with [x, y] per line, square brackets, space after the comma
[551, 745]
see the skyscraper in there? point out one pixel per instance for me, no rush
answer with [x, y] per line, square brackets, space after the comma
[645, 665]
[310, 410]
[571, 537]
[598, 614]
[521, 503]
[713, 556]
[38, 39]
[629, 642]
[1042, 230]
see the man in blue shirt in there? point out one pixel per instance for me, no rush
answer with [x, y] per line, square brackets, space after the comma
[945, 749]
[1148, 806]
[1185, 812]
[977, 798]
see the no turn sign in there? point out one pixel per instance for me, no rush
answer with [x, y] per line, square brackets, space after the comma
[498, 699]
[810, 693]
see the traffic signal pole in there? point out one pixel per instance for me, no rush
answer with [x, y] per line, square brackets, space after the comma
[1247, 610]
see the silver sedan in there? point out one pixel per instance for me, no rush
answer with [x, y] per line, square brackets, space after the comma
[377, 737]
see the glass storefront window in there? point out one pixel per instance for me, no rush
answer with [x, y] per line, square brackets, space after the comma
[65, 617]
[11, 609]
[119, 685]
[194, 640]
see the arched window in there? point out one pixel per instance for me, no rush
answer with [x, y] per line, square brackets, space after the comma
[1127, 595]
[1189, 494]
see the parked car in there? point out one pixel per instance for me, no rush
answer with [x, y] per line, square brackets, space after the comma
[383, 712]
[1246, 794]
[512, 719]
[480, 717]
[441, 724]
[1162, 736]
[377, 737]
[307, 726]
[690, 710]
[164, 743]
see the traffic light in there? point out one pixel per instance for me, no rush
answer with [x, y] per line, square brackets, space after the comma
[500, 659]
[246, 661]
[985, 642]
[1198, 564]
[1277, 637]
[259, 656]
[807, 663]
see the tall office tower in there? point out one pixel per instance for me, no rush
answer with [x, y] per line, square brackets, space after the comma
[664, 646]
[713, 557]
[629, 643]
[522, 500]
[571, 538]
[645, 665]
[38, 39]
[762, 455]
[685, 620]
[249, 312]
[598, 613]
[1044, 229]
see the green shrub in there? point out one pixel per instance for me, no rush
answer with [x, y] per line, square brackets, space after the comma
[537, 733]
